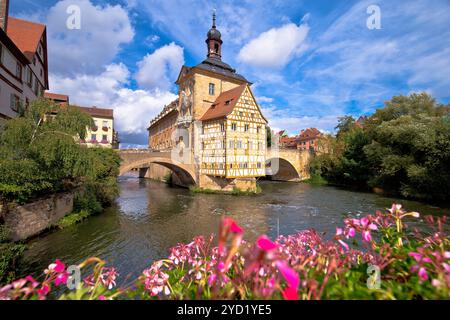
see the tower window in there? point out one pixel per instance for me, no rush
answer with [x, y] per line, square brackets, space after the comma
[216, 48]
[211, 89]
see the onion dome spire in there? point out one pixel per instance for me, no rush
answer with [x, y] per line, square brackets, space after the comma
[214, 41]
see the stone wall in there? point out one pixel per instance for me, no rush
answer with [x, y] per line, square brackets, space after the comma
[157, 172]
[227, 185]
[32, 218]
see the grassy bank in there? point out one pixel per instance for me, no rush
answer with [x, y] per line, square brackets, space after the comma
[92, 200]
[316, 180]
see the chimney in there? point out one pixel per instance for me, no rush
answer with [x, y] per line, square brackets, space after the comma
[4, 9]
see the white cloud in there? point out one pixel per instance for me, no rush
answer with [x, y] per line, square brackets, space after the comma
[276, 47]
[157, 70]
[133, 109]
[263, 99]
[87, 50]
[280, 120]
[151, 40]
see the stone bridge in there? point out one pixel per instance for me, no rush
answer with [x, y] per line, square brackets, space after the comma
[142, 159]
[281, 165]
[287, 164]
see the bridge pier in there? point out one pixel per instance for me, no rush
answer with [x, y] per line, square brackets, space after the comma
[226, 185]
[143, 172]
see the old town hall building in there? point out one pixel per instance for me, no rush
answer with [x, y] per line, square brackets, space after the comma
[215, 122]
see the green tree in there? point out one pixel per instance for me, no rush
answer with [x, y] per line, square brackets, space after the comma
[39, 153]
[404, 148]
[345, 124]
[269, 136]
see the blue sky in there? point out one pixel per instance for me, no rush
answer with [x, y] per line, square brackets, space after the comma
[310, 61]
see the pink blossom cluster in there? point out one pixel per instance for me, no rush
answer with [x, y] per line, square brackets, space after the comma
[155, 280]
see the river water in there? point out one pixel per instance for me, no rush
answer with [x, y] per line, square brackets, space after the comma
[149, 217]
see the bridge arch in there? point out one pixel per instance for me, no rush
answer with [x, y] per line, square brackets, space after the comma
[184, 173]
[282, 169]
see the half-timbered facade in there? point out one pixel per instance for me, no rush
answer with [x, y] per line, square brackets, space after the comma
[233, 136]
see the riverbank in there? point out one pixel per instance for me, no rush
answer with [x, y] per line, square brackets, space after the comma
[317, 180]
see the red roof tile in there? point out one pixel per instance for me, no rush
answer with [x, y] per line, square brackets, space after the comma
[308, 134]
[56, 96]
[224, 104]
[97, 112]
[93, 112]
[26, 35]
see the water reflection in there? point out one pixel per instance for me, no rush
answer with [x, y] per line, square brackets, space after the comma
[150, 217]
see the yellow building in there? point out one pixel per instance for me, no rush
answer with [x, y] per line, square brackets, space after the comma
[234, 136]
[218, 122]
[102, 133]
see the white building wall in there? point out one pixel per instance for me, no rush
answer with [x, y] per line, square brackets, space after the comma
[18, 86]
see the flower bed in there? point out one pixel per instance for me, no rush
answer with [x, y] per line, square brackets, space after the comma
[375, 257]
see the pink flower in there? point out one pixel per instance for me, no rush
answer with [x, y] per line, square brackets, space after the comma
[415, 255]
[365, 222]
[423, 274]
[108, 277]
[44, 290]
[57, 266]
[18, 284]
[338, 237]
[367, 227]
[232, 225]
[351, 232]
[344, 244]
[265, 244]
[61, 278]
[289, 274]
[221, 266]
[290, 294]
[211, 279]
[366, 236]
[395, 208]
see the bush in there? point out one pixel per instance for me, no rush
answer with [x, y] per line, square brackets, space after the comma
[10, 256]
[404, 149]
[73, 218]
[39, 157]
